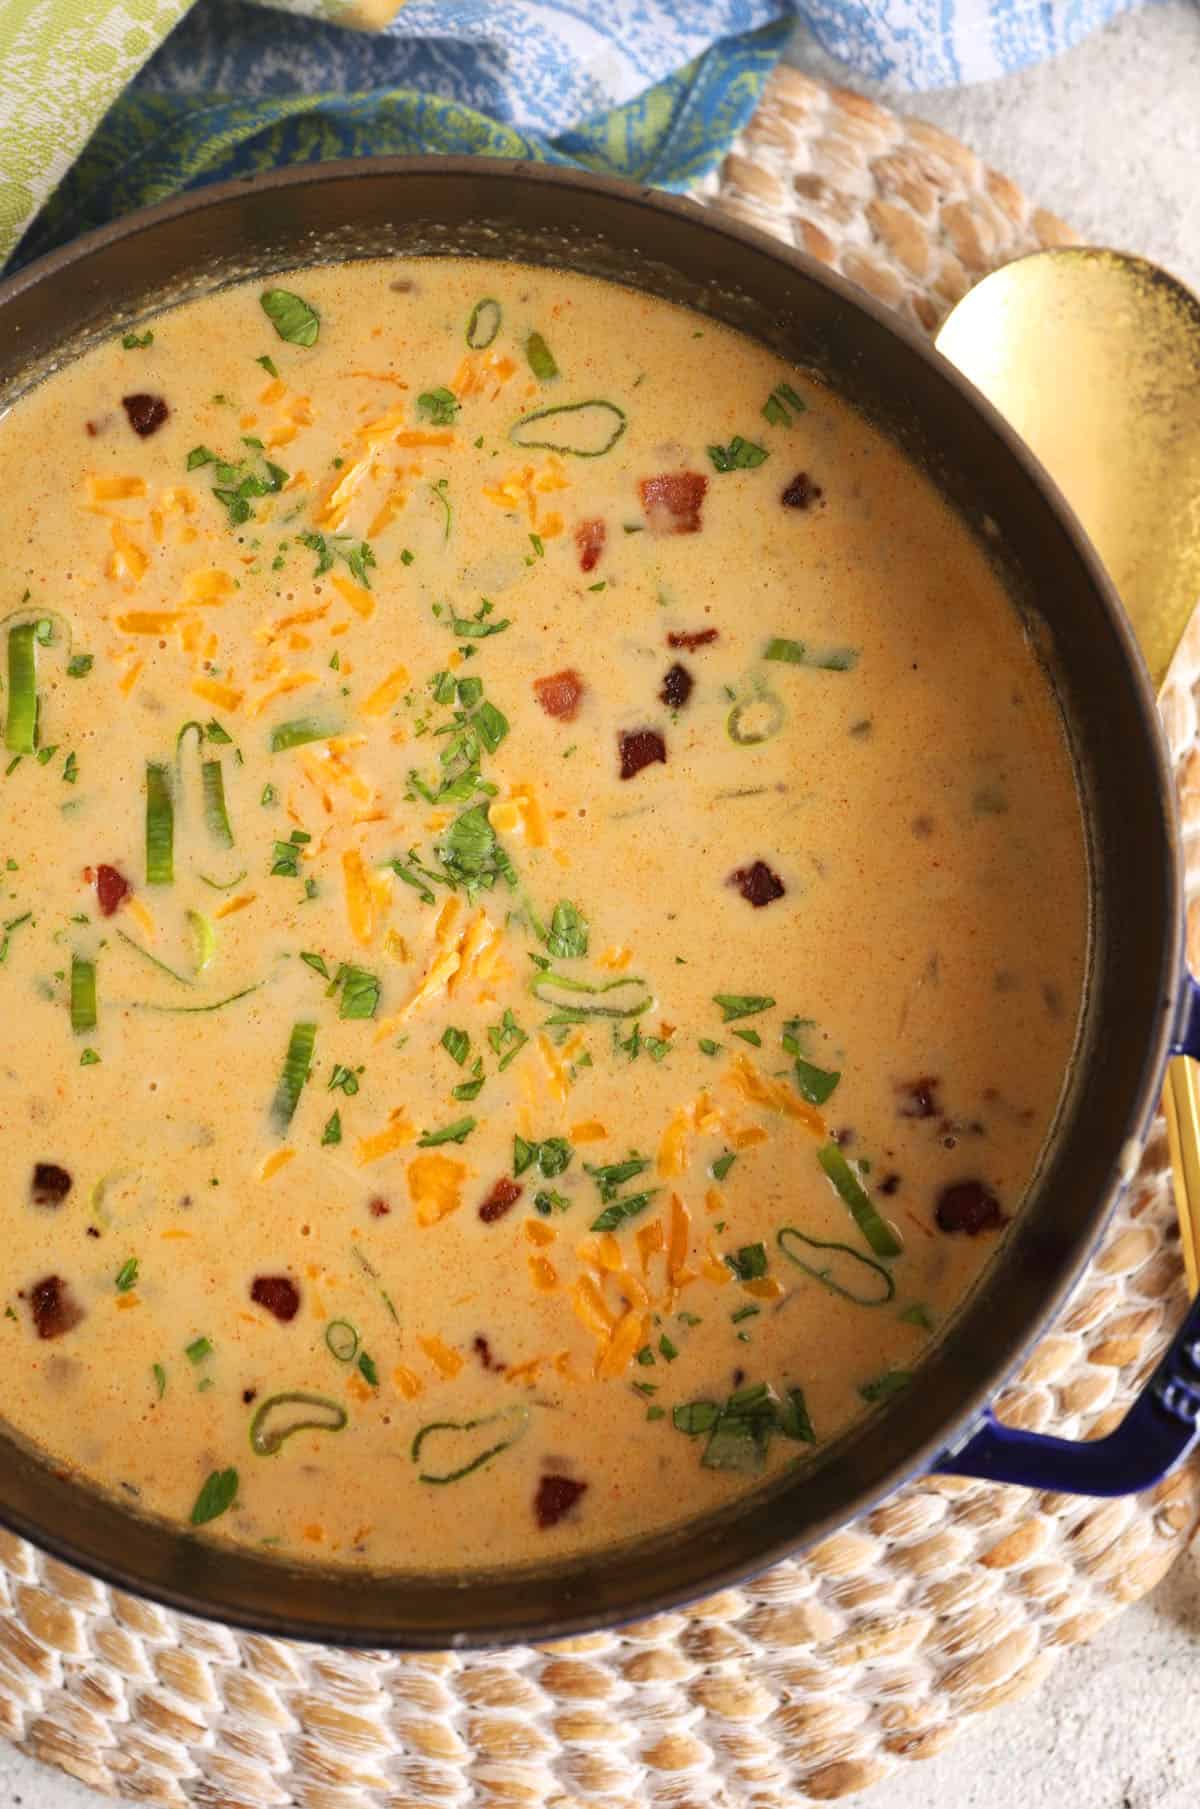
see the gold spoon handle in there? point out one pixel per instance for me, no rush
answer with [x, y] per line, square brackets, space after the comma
[1181, 1103]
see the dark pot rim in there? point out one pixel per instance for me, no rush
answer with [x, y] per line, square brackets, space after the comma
[188, 1585]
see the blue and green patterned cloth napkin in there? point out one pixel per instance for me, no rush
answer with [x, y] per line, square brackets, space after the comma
[106, 105]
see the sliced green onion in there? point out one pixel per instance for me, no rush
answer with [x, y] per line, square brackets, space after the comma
[204, 939]
[216, 1005]
[296, 1064]
[223, 885]
[320, 1414]
[878, 1233]
[20, 728]
[891, 1382]
[215, 814]
[872, 1276]
[160, 826]
[541, 358]
[153, 959]
[342, 1340]
[514, 1422]
[297, 733]
[566, 1013]
[484, 324]
[755, 719]
[795, 653]
[585, 430]
[83, 995]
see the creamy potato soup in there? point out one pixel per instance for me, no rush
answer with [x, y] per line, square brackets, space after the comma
[544, 913]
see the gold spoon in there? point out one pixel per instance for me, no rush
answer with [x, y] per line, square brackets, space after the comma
[1094, 358]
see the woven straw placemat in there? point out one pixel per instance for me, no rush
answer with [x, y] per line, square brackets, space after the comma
[824, 1675]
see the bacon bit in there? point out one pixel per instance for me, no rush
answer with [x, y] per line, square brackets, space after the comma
[889, 1184]
[590, 537]
[502, 1198]
[146, 413]
[91, 429]
[54, 1309]
[757, 884]
[918, 1098]
[112, 888]
[556, 1496]
[278, 1293]
[639, 748]
[559, 694]
[693, 638]
[50, 1185]
[971, 1207]
[677, 687]
[378, 1207]
[672, 502]
[801, 493]
[483, 1351]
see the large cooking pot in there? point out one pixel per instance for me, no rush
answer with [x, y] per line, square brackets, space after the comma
[1139, 1004]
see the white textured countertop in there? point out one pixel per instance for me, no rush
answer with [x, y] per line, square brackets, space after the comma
[1109, 137]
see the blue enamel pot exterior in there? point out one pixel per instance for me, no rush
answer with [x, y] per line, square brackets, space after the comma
[1139, 1005]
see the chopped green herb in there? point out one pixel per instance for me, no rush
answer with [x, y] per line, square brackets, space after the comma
[89, 1058]
[439, 406]
[70, 770]
[507, 1039]
[367, 1369]
[749, 1036]
[645, 1356]
[667, 1349]
[739, 455]
[360, 992]
[137, 342]
[316, 962]
[815, 1084]
[568, 937]
[198, 1350]
[609, 1176]
[745, 1312]
[696, 1417]
[80, 664]
[458, 1132]
[553, 1157]
[126, 1276]
[891, 1382]
[291, 317]
[749, 1263]
[269, 796]
[708, 1047]
[343, 1080]
[478, 627]
[781, 403]
[333, 1130]
[621, 1211]
[216, 1497]
[656, 1413]
[268, 365]
[741, 1005]
[721, 1167]
[795, 653]
[456, 1043]
[538, 545]
[919, 1315]
[160, 1379]
[548, 1200]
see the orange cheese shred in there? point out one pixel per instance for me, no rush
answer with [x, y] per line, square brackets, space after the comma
[435, 1186]
[359, 902]
[384, 1143]
[446, 1361]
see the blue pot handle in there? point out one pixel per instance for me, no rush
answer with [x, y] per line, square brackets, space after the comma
[1158, 1432]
